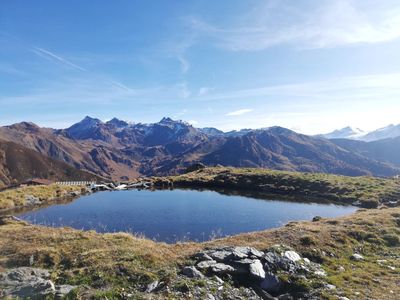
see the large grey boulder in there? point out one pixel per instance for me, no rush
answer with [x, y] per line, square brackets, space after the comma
[26, 282]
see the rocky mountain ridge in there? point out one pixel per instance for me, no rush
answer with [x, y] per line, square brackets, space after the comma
[122, 150]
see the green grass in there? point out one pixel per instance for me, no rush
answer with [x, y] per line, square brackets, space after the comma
[368, 191]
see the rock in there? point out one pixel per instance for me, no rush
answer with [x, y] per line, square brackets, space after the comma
[245, 261]
[243, 252]
[256, 270]
[75, 193]
[219, 280]
[24, 282]
[271, 283]
[63, 290]
[343, 298]
[152, 287]
[256, 253]
[220, 255]
[206, 264]
[341, 269]
[285, 297]
[320, 273]
[201, 256]
[32, 200]
[192, 272]
[237, 253]
[271, 261]
[357, 257]
[222, 269]
[210, 297]
[292, 255]
[316, 218]
[330, 287]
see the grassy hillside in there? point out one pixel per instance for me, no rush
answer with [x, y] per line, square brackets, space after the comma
[18, 163]
[16, 198]
[116, 265]
[368, 191]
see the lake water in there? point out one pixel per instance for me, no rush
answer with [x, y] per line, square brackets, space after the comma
[178, 215]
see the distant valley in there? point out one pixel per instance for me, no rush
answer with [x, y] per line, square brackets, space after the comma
[120, 150]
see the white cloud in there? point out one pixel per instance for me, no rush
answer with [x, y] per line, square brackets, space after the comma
[185, 65]
[193, 122]
[321, 25]
[50, 55]
[239, 112]
[204, 91]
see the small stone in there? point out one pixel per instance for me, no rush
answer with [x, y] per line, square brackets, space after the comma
[63, 290]
[192, 272]
[256, 270]
[330, 287]
[316, 219]
[341, 269]
[152, 286]
[357, 257]
[219, 280]
[306, 260]
[210, 297]
[292, 255]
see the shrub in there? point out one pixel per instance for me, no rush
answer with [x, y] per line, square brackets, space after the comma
[392, 240]
[307, 240]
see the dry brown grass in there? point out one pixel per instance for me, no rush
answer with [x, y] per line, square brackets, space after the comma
[96, 259]
[13, 198]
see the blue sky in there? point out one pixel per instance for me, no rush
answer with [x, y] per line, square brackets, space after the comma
[312, 66]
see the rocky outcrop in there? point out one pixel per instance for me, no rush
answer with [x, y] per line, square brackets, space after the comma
[29, 282]
[278, 273]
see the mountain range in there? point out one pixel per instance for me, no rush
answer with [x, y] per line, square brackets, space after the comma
[391, 131]
[120, 150]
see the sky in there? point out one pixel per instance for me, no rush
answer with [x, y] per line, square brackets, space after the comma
[311, 66]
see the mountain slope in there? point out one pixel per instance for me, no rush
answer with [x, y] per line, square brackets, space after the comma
[387, 150]
[391, 131]
[282, 149]
[18, 164]
[120, 150]
[344, 133]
